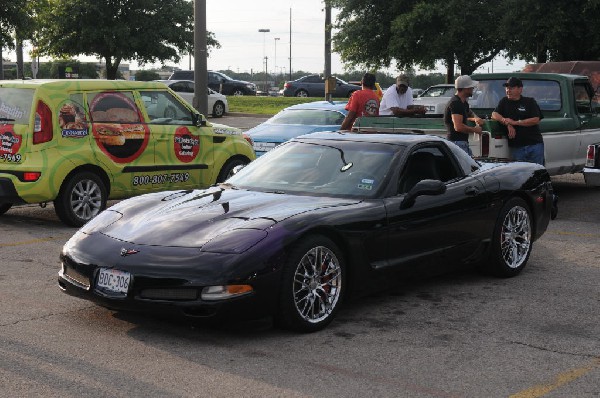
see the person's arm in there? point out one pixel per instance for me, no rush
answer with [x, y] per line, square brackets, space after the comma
[461, 127]
[348, 121]
[474, 118]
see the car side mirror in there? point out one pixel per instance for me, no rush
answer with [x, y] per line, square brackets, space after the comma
[423, 187]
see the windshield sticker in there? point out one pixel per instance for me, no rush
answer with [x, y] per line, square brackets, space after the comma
[186, 144]
[366, 184]
[9, 141]
[72, 121]
[10, 112]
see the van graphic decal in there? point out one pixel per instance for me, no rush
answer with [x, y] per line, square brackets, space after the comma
[186, 144]
[117, 127]
[9, 141]
[72, 120]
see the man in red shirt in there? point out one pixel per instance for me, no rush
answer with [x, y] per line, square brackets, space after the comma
[362, 102]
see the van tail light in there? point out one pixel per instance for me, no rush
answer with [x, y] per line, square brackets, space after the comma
[42, 129]
[485, 145]
[591, 156]
[31, 176]
[249, 139]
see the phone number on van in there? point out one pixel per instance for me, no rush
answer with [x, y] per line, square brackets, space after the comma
[10, 157]
[161, 179]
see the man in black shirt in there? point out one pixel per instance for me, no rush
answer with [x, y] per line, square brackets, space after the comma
[521, 116]
[457, 114]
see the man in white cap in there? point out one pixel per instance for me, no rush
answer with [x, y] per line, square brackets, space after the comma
[457, 114]
[398, 99]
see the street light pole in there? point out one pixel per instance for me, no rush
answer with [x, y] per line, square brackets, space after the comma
[264, 32]
[275, 57]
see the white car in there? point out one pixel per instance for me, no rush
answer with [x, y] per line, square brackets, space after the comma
[217, 103]
[435, 98]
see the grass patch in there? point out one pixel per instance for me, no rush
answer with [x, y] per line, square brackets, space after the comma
[267, 105]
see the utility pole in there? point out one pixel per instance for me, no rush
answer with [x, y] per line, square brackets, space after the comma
[264, 32]
[200, 101]
[290, 44]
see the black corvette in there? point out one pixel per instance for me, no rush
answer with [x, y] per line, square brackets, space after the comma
[312, 221]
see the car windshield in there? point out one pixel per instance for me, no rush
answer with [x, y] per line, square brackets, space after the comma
[317, 117]
[324, 168]
[438, 92]
[224, 75]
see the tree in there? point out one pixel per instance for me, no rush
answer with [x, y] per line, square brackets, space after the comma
[117, 30]
[146, 75]
[551, 30]
[374, 33]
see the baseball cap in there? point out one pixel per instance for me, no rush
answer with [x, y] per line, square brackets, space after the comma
[465, 81]
[402, 80]
[513, 82]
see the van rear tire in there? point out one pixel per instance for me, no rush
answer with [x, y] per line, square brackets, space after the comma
[4, 207]
[80, 199]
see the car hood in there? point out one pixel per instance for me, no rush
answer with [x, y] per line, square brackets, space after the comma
[285, 132]
[194, 218]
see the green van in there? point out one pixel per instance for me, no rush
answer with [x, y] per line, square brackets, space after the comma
[79, 143]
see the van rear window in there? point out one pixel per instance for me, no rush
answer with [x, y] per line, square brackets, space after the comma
[15, 104]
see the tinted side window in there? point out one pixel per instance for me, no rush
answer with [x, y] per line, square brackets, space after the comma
[426, 163]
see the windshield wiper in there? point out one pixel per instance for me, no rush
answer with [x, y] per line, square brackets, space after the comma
[5, 119]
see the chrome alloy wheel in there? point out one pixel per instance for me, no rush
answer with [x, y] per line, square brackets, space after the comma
[86, 199]
[515, 237]
[317, 284]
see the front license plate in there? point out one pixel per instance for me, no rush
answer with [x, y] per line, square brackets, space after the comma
[264, 146]
[113, 280]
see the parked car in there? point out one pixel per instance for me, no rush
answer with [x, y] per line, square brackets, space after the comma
[297, 120]
[217, 103]
[417, 92]
[435, 98]
[314, 86]
[219, 82]
[78, 143]
[296, 232]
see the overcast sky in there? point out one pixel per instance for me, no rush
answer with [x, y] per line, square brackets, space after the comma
[235, 24]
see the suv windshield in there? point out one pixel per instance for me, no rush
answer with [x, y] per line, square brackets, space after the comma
[15, 104]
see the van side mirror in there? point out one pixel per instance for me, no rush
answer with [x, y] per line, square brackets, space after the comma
[198, 120]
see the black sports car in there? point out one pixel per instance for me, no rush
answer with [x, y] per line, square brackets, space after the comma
[317, 218]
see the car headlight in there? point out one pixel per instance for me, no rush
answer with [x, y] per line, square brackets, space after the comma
[101, 221]
[234, 242]
[250, 86]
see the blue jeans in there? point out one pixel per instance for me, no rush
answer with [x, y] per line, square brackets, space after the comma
[528, 153]
[464, 145]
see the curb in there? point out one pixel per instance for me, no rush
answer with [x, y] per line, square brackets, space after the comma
[241, 114]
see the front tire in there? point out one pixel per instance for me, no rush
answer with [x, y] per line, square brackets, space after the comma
[4, 207]
[80, 199]
[218, 109]
[313, 285]
[227, 170]
[512, 240]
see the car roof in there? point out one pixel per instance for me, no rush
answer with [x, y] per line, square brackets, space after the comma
[324, 105]
[80, 84]
[376, 137]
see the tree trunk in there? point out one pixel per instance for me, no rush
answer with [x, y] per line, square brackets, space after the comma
[1, 63]
[19, 51]
[111, 68]
[450, 70]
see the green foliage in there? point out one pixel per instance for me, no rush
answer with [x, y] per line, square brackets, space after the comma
[146, 75]
[116, 30]
[13, 17]
[265, 105]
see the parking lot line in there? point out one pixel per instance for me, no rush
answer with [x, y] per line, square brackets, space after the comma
[559, 381]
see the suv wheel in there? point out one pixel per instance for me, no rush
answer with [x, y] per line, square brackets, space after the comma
[238, 91]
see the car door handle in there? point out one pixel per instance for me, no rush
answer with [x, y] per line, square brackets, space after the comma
[471, 191]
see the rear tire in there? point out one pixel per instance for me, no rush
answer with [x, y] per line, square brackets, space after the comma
[218, 109]
[227, 170]
[4, 207]
[512, 240]
[301, 93]
[238, 91]
[80, 199]
[312, 286]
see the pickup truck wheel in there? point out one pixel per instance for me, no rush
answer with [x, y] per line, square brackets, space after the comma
[4, 207]
[312, 286]
[227, 170]
[80, 199]
[218, 109]
[301, 93]
[512, 240]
